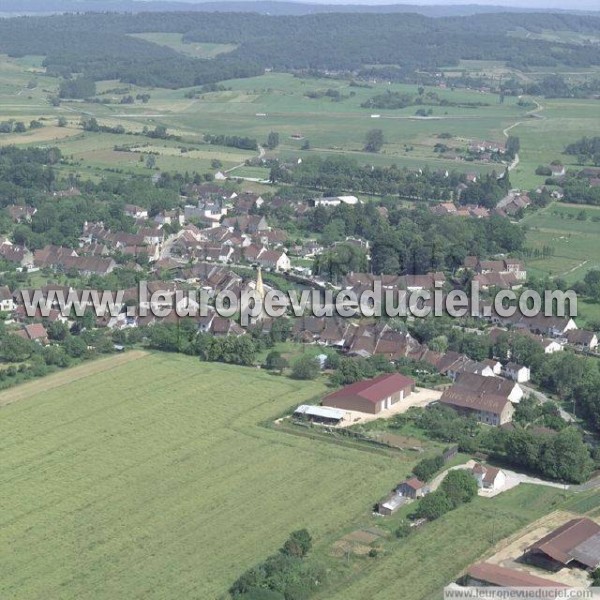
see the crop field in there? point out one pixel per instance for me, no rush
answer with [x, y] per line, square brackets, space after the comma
[156, 476]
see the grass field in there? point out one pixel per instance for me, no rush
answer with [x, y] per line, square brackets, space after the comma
[154, 480]
[150, 476]
[253, 107]
[576, 242]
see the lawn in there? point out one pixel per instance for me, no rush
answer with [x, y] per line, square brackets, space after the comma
[154, 479]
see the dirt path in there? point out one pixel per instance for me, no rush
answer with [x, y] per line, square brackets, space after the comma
[535, 111]
[66, 376]
[261, 154]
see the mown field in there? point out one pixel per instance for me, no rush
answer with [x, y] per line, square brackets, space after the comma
[155, 480]
[253, 107]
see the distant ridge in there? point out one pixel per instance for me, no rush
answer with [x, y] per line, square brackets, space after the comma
[271, 7]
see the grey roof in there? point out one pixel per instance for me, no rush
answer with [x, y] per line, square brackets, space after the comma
[394, 502]
[320, 411]
[588, 552]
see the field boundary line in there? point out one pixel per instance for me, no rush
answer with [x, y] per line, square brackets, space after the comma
[67, 376]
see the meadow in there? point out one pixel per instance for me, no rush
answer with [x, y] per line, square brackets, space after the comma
[575, 240]
[279, 102]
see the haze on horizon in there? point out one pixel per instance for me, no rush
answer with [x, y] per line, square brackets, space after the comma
[521, 4]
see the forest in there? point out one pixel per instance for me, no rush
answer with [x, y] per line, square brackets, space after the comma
[98, 45]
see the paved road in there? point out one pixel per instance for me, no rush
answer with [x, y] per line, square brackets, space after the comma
[569, 418]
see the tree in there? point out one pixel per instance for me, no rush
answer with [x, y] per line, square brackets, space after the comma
[272, 140]
[513, 145]
[298, 544]
[81, 87]
[305, 367]
[460, 487]
[434, 505]
[428, 467]
[275, 361]
[16, 349]
[374, 140]
[62, 122]
[58, 331]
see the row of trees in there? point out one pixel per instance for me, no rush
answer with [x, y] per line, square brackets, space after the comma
[561, 455]
[286, 575]
[458, 487]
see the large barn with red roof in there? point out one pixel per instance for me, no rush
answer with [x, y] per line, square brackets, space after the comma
[371, 395]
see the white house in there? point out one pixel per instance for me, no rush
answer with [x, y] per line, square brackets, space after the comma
[274, 259]
[582, 339]
[137, 212]
[516, 372]
[551, 346]
[7, 303]
[488, 478]
[336, 200]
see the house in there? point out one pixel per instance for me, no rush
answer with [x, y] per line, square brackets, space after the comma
[487, 574]
[274, 259]
[7, 303]
[391, 503]
[494, 365]
[412, 488]
[335, 200]
[21, 213]
[582, 339]
[553, 326]
[574, 544]
[516, 372]
[371, 395]
[34, 332]
[250, 224]
[489, 478]
[557, 170]
[488, 399]
[136, 212]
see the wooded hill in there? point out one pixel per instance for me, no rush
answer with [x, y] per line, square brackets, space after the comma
[98, 45]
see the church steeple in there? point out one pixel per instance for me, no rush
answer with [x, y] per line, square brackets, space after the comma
[260, 288]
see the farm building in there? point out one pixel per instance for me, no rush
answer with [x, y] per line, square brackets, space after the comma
[486, 574]
[489, 399]
[574, 544]
[412, 488]
[319, 414]
[371, 395]
[390, 504]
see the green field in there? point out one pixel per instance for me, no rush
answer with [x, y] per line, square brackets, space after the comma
[156, 480]
[278, 102]
[175, 41]
[576, 242]
[152, 477]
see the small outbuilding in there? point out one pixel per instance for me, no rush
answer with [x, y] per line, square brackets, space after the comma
[319, 414]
